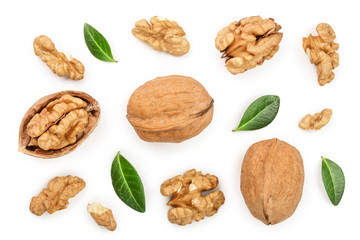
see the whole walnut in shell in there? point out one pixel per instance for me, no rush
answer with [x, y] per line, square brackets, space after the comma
[56, 124]
[170, 109]
[272, 178]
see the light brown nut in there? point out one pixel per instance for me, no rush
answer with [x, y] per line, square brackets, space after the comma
[58, 62]
[321, 51]
[272, 178]
[56, 124]
[102, 215]
[188, 202]
[248, 43]
[170, 109]
[55, 197]
[317, 121]
[163, 34]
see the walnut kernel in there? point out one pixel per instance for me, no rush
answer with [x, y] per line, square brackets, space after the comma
[102, 215]
[56, 124]
[317, 121]
[248, 43]
[163, 34]
[60, 63]
[188, 202]
[321, 51]
[55, 197]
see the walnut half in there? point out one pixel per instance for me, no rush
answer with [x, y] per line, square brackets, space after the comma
[55, 197]
[56, 124]
[58, 62]
[321, 51]
[317, 121]
[163, 34]
[248, 43]
[188, 202]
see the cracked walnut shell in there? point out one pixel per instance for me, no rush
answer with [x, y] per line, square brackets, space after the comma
[272, 178]
[102, 215]
[170, 109]
[163, 34]
[248, 43]
[188, 202]
[321, 51]
[55, 197]
[317, 121]
[58, 62]
[56, 124]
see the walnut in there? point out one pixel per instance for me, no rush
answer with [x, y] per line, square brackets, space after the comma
[163, 34]
[102, 215]
[55, 197]
[188, 201]
[317, 121]
[272, 179]
[248, 43]
[58, 62]
[56, 124]
[170, 109]
[321, 51]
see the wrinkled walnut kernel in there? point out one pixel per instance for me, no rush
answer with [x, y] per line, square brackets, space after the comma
[188, 202]
[56, 124]
[102, 215]
[321, 51]
[58, 62]
[317, 121]
[248, 43]
[55, 197]
[163, 34]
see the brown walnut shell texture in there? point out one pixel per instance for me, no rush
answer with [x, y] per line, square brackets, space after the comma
[93, 111]
[272, 178]
[170, 109]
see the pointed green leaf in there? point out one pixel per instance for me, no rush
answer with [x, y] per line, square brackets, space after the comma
[260, 113]
[97, 44]
[333, 179]
[127, 183]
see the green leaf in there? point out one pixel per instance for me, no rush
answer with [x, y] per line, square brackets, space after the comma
[127, 183]
[97, 44]
[333, 179]
[260, 113]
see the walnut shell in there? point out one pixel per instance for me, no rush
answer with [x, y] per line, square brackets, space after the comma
[25, 145]
[272, 178]
[170, 109]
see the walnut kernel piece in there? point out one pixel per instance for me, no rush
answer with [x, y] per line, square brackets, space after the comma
[188, 202]
[170, 109]
[272, 179]
[248, 43]
[102, 215]
[321, 51]
[317, 121]
[58, 62]
[55, 197]
[163, 34]
[56, 124]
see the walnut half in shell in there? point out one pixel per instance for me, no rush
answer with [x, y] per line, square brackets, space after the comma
[56, 124]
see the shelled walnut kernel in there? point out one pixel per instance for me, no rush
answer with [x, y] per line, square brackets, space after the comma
[317, 121]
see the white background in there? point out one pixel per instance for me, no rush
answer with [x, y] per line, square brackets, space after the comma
[217, 150]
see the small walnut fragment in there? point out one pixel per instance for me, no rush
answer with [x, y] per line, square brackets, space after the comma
[317, 121]
[163, 34]
[321, 51]
[55, 197]
[58, 62]
[56, 124]
[188, 202]
[248, 43]
[102, 215]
